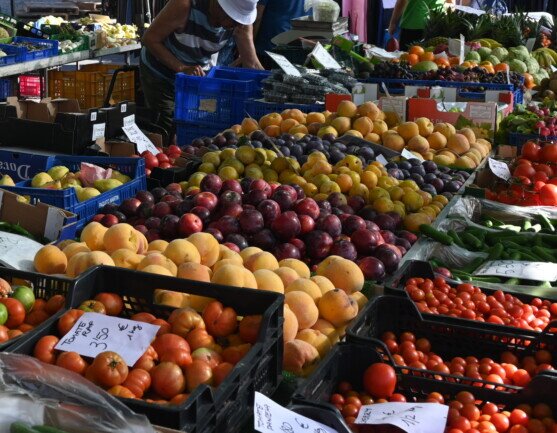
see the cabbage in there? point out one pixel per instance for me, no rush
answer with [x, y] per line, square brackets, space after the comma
[518, 66]
[500, 52]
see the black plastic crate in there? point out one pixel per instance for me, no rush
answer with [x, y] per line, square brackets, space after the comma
[207, 410]
[44, 286]
[399, 314]
[312, 397]
[420, 269]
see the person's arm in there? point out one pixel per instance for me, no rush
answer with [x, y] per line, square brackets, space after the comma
[171, 18]
[244, 41]
[257, 23]
[397, 13]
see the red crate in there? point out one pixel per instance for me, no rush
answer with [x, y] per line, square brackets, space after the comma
[30, 86]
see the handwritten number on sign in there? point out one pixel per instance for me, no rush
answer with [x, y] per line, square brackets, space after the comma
[97, 345]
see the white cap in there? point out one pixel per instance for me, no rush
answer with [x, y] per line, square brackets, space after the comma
[241, 11]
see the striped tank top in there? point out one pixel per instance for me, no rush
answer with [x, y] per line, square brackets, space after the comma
[194, 45]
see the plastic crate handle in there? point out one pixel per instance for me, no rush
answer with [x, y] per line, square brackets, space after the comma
[125, 68]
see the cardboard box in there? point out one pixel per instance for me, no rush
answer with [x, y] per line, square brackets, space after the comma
[41, 220]
[58, 126]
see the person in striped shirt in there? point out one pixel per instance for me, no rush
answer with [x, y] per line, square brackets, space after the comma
[186, 36]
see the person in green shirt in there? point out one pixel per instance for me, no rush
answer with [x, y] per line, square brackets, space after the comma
[413, 15]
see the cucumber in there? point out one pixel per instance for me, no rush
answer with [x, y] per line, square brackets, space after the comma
[515, 255]
[473, 265]
[472, 241]
[545, 223]
[495, 252]
[488, 223]
[456, 238]
[543, 253]
[512, 281]
[21, 427]
[48, 429]
[526, 224]
[487, 279]
[435, 234]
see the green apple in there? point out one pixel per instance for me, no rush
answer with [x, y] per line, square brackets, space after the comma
[26, 296]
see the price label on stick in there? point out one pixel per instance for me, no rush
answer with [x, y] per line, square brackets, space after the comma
[95, 333]
[380, 158]
[409, 155]
[270, 417]
[324, 58]
[135, 135]
[284, 64]
[537, 271]
[98, 130]
[499, 169]
[409, 417]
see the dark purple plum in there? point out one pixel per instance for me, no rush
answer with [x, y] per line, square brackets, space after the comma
[345, 249]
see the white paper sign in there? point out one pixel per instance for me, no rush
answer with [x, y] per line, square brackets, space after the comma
[135, 135]
[270, 417]
[553, 68]
[409, 155]
[129, 120]
[380, 158]
[284, 64]
[324, 58]
[410, 417]
[499, 169]
[95, 333]
[18, 251]
[537, 271]
[530, 42]
[98, 130]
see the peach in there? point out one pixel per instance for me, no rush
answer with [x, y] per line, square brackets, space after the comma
[317, 339]
[234, 275]
[93, 236]
[121, 236]
[80, 262]
[304, 285]
[249, 125]
[360, 299]
[446, 129]
[262, 260]
[300, 267]
[469, 134]
[407, 130]
[425, 126]
[74, 248]
[337, 307]
[272, 131]
[458, 143]
[324, 283]
[287, 275]
[343, 273]
[313, 128]
[270, 120]
[124, 258]
[363, 124]
[198, 303]
[158, 245]
[315, 118]
[157, 269]
[249, 251]
[288, 124]
[171, 299]
[327, 328]
[393, 141]
[437, 141]
[182, 251]
[290, 325]
[341, 124]
[50, 260]
[418, 144]
[303, 306]
[207, 246]
[300, 357]
[298, 129]
[194, 271]
[268, 280]
[296, 114]
[370, 110]
[227, 253]
[379, 127]
[62, 245]
[373, 137]
[158, 259]
[143, 243]
[223, 262]
[249, 279]
[347, 109]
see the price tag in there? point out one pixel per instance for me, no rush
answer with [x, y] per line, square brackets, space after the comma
[135, 135]
[537, 271]
[499, 169]
[409, 155]
[380, 158]
[123, 108]
[93, 116]
[325, 59]
[461, 49]
[98, 130]
[284, 64]
[410, 417]
[457, 48]
[530, 42]
[95, 333]
[129, 120]
[553, 68]
[270, 417]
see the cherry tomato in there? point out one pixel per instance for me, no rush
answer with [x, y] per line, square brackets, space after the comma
[518, 416]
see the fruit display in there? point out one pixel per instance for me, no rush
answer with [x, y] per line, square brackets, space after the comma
[438, 297]
[89, 182]
[164, 159]
[308, 88]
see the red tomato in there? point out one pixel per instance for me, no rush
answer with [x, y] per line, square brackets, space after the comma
[54, 304]
[16, 312]
[138, 381]
[531, 151]
[112, 303]
[548, 195]
[549, 153]
[540, 176]
[109, 369]
[545, 168]
[44, 349]
[121, 391]
[72, 361]
[380, 380]
[524, 170]
[68, 320]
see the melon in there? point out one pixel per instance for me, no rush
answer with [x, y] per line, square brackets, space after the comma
[425, 66]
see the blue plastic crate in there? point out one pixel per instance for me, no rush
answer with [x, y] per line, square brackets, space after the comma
[257, 109]
[186, 132]
[21, 166]
[240, 74]
[50, 48]
[215, 102]
[14, 54]
[7, 88]
[67, 198]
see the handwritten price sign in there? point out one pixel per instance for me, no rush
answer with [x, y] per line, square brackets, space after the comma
[537, 271]
[95, 333]
[410, 417]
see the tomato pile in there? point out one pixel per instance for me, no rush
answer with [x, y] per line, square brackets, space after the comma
[469, 302]
[535, 178]
[20, 311]
[416, 353]
[164, 159]
[466, 415]
[183, 355]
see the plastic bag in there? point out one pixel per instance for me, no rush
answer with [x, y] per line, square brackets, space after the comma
[39, 393]
[89, 173]
[323, 10]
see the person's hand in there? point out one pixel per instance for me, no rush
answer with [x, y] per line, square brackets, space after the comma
[193, 70]
[392, 29]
